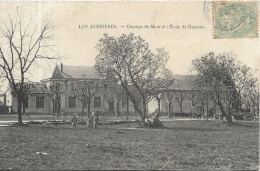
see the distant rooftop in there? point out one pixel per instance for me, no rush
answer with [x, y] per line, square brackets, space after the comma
[184, 82]
[63, 71]
[181, 82]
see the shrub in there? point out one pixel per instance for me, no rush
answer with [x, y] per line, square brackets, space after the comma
[183, 115]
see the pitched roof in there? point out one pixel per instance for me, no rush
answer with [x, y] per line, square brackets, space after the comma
[184, 82]
[38, 88]
[89, 72]
[35, 88]
[56, 74]
[181, 82]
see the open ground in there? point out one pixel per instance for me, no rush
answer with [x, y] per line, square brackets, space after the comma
[183, 144]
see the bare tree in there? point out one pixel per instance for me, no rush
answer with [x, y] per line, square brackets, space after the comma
[127, 106]
[202, 101]
[55, 92]
[82, 94]
[254, 97]
[193, 96]
[128, 57]
[28, 89]
[166, 83]
[169, 99]
[250, 94]
[23, 46]
[158, 95]
[180, 96]
[85, 91]
[168, 90]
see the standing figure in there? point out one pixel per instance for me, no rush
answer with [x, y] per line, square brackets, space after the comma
[91, 120]
[74, 121]
[96, 119]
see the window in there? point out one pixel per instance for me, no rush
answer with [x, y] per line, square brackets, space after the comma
[97, 102]
[39, 102]
[124, 102]
[58, 87]
[72, 102]
[85, 102]
[66, 87]
[25, 103]
[72, 86]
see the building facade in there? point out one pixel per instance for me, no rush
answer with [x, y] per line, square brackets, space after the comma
[185, 97]
[44, 98]
[48, 98]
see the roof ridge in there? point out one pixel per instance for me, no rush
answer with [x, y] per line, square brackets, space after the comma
[70, 71]
[76, 66]
[185, 74]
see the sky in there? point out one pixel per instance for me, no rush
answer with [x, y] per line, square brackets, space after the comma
[77, 45]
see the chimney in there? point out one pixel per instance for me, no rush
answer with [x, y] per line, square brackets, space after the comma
[5, 100]
[61, 67]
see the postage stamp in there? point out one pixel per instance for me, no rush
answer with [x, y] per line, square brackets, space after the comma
[235, 19]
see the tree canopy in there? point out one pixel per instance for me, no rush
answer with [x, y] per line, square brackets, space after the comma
[225, 79]
[137, 68]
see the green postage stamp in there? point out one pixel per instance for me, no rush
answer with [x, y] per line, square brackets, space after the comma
[235, 19]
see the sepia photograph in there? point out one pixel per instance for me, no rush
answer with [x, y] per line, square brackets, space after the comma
[127, 85]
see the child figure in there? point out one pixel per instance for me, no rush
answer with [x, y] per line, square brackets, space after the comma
[74, 121]
[91, 120]
[96, 119]
[93, 116]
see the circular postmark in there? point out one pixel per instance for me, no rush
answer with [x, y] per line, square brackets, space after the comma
[206, 9]
[235, 20]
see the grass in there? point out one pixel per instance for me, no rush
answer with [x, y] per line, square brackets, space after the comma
[194, 145]
[26, 118]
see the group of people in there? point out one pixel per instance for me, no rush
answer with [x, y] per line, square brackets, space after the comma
[156, 123]
[92, 121]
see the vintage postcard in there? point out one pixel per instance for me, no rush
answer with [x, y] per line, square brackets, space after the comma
[127, 85]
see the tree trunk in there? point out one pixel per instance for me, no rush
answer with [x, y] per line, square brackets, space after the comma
[254, 111]
[207, 106]
[230, 117]
[169, 112]
[19, 110]
[58, 106]
[159, 106]
[138, 110]
[207, 109]
[53, 109]
[23, 108]
[117, 108]
[257, 109]
[215, 110]
[192, 110]
[143, 116]
[226, 115]
[83, 109]
[89, 101]
[180, 107]
[133, 100]
[127, 108]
